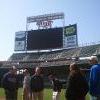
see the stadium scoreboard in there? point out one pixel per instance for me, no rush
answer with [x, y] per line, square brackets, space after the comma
[47, 39]
[41, 39]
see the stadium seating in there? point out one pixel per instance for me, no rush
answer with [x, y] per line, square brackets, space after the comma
[89, 50]
[53, 58]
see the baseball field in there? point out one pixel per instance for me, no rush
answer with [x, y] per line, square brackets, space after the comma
[47, 94]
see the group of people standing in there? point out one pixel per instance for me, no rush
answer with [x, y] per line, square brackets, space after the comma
[33, 86]
[76, 84]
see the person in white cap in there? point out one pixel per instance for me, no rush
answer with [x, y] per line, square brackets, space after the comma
[94, 81]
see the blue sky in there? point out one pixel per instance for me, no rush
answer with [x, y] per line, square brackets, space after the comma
[13, 13]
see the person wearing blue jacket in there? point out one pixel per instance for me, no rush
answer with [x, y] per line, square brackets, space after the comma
[94, 81]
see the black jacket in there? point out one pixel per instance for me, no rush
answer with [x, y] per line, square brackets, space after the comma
[77, 86]
[37, 83]
[57, 85]
[10, 82]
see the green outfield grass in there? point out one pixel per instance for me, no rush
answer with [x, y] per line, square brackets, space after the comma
[47, 94]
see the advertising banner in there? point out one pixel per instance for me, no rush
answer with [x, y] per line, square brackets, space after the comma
[20, 41]
[70, 36]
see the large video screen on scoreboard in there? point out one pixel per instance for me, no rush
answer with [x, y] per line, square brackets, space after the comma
[45, 39]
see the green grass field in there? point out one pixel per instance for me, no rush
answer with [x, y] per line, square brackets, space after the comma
[47, 94]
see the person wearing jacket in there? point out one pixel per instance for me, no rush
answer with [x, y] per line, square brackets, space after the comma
[10, 84]
[77, 86]
[37, 85]
[57, 86]
[94, 81]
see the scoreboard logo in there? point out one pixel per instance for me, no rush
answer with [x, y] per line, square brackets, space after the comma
[70, 30]
[44, 24]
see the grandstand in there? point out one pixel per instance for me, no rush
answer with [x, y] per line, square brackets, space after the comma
[66, 54]
[53, 58]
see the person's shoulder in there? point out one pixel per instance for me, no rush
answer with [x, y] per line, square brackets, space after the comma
[95, 66]
[74, 74]
[6, 74]
[99, 65]
[33, 76]
[56, 80]
[27, 76]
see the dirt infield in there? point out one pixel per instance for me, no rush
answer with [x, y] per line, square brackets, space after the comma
[2, 98]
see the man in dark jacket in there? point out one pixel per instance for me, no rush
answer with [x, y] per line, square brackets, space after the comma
[10, 84]
[37, 85]
[77, 86]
